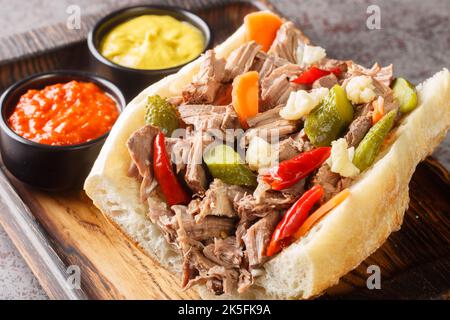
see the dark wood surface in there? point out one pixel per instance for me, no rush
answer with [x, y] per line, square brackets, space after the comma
[415, 261]
[54, 230]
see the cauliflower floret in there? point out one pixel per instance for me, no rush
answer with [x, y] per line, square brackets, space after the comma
[360, 90]
[259, 153]
[300, 103]
[307, 55]
[340, 160]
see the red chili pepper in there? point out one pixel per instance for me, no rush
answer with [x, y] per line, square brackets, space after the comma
[171, 188]
[289, 172]
[314, 73]
[293, 220]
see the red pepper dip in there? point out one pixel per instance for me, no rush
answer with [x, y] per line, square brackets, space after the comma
[64, 114]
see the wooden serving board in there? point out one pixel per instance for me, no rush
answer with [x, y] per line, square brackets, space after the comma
[56, 230]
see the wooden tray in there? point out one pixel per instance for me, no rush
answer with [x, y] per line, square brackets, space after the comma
[56, 230]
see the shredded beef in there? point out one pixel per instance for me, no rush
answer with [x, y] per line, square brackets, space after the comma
[250, 208]
[383, 75]
[207, 81]
[221, 280]
[357, 130]
[195, 175]
[387, 94]
[133, 171]
[218, 201]
[303, 141]
[266, 117]
[220, 272]
[204, 117]
[230, 120]
[224, 252]
[326, 82]
[140, 147]
[245, 280]
[241, 60]
[257, 239]
[363, 110]
[287, 40]
[211, 226]
[178, 150]
[266, 63]
[288, 149]
[329, 64]
[269, 125]
[262, 188]
[194, 264]
[258, 63]
[295, 191]
[270, 132]
[164, 218]
[197, 268]
[331, 182]
[276, 87]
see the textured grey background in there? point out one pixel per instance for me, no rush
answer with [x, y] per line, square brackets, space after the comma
[414, 35]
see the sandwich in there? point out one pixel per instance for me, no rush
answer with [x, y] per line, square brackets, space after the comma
[266, 169]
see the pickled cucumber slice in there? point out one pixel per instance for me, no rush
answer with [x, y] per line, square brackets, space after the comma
[226, 164]
[329, 120]
[406, 95]
[370, 146]
[161, 114]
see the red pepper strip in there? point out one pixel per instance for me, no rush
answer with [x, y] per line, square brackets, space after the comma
[289, 172]
[321, 212]
[337, 71]
[314, 73]
[293, 220]
[162, 168]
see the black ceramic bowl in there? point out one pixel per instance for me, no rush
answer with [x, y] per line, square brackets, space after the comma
[133, 81]
[44, 166]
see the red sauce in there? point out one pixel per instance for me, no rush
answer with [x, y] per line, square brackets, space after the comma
[64, 114]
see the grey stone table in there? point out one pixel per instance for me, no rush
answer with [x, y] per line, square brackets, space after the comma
[414, 35]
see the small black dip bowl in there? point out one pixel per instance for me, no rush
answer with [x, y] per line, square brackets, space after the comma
[132, 81]
[45, 166]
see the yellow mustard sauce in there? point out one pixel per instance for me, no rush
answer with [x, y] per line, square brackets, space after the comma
[152, 42]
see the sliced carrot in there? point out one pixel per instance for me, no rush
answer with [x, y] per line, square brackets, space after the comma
[262, 27]
[322, 211]
[245, 96]
[378, 111]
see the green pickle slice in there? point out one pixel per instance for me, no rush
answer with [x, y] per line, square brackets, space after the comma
[328, 121]
[161, 114]
[226, 164]
[406, 95]
[368, 149]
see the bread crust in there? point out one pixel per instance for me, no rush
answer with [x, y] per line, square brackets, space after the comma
[374, 209]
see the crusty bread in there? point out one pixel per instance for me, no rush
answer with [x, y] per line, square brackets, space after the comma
[336, 245]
